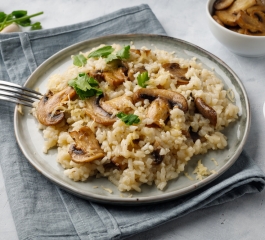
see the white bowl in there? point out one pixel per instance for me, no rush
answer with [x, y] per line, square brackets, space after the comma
[244, 45]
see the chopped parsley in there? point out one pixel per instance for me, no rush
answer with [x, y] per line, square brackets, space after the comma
[79, 60]
[142, 79]
[101, 52]
[107, 53]
[124, 53]
[85, 86]
[128, 119]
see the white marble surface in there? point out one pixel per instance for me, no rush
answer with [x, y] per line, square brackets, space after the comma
[243, 218]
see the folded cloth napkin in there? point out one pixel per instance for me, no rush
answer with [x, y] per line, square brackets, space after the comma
[43, 211]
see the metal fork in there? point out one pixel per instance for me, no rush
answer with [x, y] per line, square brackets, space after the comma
[15, 93]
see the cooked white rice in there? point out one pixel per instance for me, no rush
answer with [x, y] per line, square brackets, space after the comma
[120, 139]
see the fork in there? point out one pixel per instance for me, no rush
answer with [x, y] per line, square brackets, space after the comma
[15, 93]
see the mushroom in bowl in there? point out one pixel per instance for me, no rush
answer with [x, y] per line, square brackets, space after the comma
[238, 25]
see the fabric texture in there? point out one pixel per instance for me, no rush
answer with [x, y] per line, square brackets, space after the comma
[43, 211]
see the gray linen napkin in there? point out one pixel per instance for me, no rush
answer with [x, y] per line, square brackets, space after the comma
[43, 211]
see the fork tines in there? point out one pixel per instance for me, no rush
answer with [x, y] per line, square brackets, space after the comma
[15, 93]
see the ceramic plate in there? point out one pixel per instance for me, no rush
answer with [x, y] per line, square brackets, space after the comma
[31, 141]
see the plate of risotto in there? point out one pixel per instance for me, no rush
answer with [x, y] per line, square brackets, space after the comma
[133, 119]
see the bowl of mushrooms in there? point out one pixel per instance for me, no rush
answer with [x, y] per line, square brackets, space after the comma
[239, 25]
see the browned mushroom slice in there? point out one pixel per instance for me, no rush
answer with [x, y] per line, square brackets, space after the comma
[46, 110]
[86, 147]
[119, 104]
[114, 74]
[119, 162]
[156, 153]
[206, 111]
[222, 4]
[158, 110]
[241, 5]
[94, 110]
[177, 72]
[226, 17]
[255, 9]
[114, 78]
[229, 15]
[252, 24]
[173, 98]
[218, 20]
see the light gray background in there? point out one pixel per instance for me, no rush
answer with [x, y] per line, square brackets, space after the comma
[243, 218]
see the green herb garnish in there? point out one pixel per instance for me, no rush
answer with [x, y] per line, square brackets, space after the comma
[20, 17]
[36, 26]
[142, 79]
[128, 119]
[85, 86]
[107, 52]
[79, 60]
[101, 52]
[124, 53]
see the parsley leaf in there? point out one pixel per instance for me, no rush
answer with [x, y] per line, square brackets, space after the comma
[19, 13]
[79, 60]
[101, 52]
[142, 79]
[124, 53]
[107, 52]
[85, 86]
[128, 119]
[111, 57]
[36, 26]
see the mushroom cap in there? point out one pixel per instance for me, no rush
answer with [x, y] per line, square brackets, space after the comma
[251, 23]
[158, 110]
[114, 74]
[46, 109]
[173, 98]
[115, 105]
[177, 72]
[98, 114]
[206, 111]
[86, 147]
[222, 4]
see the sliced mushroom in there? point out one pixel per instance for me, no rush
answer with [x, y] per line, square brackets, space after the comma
[222, 4]
[218, 20]
[251, 23]
[119, 162]
[173, 98]
[241, 5]
[156, 153]
[86, 147]
[256, 9]
[47, 112]
[119, 104]
[229, 15]
[177, 72]
[94, 110]
[206, 111]
[114, 74]
[158, 110]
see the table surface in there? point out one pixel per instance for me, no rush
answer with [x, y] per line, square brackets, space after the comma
[240, 219]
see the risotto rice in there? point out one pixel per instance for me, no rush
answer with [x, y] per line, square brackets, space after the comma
[158, 147]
